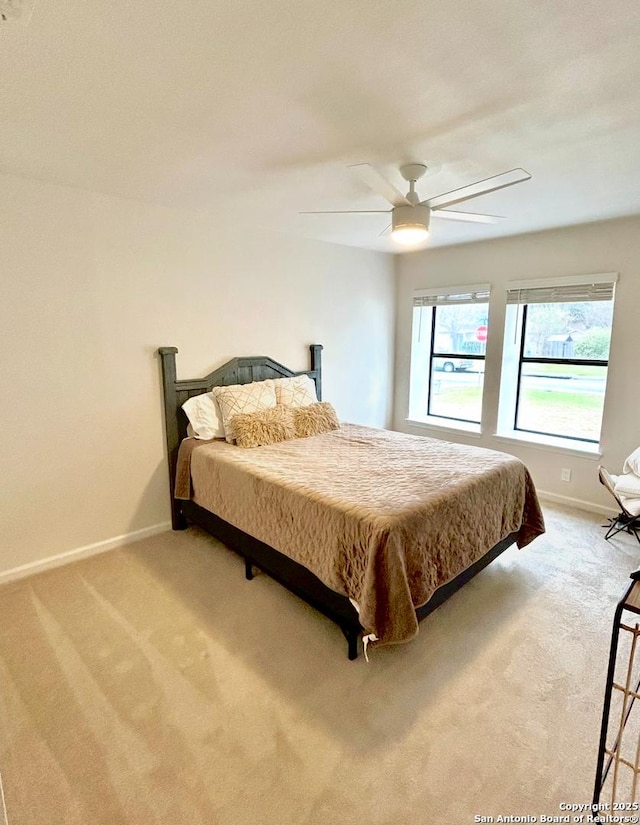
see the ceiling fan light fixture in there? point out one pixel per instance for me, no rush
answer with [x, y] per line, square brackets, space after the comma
[410, 224]
[410, 235]
[410, 216]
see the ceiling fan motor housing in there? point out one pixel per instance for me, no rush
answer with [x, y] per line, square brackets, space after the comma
[407, 216]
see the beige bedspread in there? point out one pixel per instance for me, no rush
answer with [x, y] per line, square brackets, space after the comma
[382, 517]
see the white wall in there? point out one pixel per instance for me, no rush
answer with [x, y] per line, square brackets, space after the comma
[611, 246]
[90, 286]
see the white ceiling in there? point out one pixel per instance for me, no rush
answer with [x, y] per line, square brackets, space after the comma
[258, 106]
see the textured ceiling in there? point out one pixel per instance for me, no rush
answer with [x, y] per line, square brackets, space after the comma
[257, 107]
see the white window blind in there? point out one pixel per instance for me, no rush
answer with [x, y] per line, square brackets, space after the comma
[574, 289]
[477, 294]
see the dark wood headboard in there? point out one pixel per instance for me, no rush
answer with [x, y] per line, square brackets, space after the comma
[236, 371]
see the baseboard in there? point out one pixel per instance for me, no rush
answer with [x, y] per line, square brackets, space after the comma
[81, 552]
[127, 538]
[589, 506]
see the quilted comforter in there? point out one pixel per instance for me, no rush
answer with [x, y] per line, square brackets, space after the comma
[382, 517]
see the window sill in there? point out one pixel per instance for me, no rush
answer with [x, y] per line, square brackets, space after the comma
[446, 425]
[554, 444]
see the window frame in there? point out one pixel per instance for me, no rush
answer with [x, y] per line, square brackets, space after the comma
[458, 356]
[600, 286]
[525, 359]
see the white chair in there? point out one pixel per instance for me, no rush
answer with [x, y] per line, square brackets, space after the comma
[628, 520]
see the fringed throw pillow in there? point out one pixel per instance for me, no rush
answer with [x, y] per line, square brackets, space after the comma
[264, 427]
[315, 419]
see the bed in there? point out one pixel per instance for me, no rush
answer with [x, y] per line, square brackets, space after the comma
[373, 528]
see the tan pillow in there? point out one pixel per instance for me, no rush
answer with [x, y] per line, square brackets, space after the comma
[264, 427]
[315, 419]
[297, 391]
[243, 398]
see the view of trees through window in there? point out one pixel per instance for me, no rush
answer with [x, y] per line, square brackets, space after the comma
[563, 368]
[456, 373]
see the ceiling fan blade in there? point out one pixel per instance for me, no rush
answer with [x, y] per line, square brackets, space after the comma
[481, 187]
[369, 174]
[347, 212]
[470, 217]
[384, 231]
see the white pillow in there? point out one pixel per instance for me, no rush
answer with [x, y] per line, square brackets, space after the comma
[632, 464]
[628, 484]
[297, 391]
[243, 398]
[631, 504]
[204, 416]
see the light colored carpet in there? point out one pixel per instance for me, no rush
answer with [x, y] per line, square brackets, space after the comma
[153, 684]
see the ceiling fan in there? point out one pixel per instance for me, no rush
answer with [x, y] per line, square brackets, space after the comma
[410, 216]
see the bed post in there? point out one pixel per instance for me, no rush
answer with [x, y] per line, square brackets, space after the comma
[168, 360]
[316, 366]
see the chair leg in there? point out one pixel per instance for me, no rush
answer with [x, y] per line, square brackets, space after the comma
[614, 528]
[621, 523]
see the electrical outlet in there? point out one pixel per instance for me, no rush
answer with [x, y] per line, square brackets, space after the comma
[566, 474]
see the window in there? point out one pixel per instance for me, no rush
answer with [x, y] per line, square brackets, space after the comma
[554, 383]
[448, 352]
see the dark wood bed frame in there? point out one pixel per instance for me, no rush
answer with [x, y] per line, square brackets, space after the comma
[296, 578]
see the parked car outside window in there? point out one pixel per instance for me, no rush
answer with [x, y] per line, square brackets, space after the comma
[455, 364]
